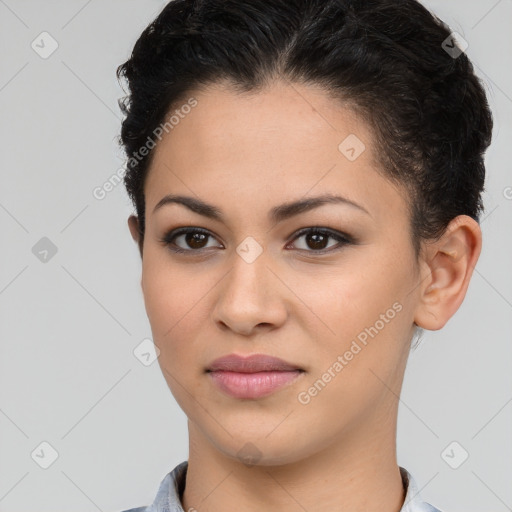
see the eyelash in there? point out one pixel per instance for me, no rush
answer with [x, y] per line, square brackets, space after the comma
[342, 239]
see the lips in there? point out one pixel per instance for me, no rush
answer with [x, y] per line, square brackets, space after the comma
[251, 364]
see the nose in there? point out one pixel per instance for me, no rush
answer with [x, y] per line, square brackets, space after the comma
[250, 298]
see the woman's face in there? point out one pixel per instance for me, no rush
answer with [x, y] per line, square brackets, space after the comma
[342, 312]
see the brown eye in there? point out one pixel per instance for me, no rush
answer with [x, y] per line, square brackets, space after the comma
[195, 240]
[317, 239]
[187, 240]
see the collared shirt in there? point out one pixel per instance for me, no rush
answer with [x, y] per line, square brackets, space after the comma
[171, 488]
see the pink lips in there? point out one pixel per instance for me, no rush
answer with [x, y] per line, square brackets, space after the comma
[252, 377]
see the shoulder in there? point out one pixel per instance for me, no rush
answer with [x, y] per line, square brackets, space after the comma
[167, 498]
[413, 501]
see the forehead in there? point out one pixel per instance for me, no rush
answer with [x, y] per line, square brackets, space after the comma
[262, 148]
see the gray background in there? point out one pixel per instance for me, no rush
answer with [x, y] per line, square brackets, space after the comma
[69, 326]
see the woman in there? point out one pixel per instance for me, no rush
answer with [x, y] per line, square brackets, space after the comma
[307, 179]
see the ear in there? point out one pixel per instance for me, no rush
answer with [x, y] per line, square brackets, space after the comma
[133, 224]
[447, 266]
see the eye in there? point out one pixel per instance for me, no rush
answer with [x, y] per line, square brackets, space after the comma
[317, 238]
[194, 238]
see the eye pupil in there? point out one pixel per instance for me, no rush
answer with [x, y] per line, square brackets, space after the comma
[195, 239]
[317, 239]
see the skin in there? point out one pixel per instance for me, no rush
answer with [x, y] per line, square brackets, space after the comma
[245, 154]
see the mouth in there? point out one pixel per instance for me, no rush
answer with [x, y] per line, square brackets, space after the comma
[252, 377]
[254, 363]
[252, 386]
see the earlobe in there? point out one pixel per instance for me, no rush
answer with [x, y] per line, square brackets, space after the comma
[447, 269]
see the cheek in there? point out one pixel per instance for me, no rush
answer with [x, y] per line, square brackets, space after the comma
[352, 298]
[172, 301]
[368, 304]
[356, 367]
[175, 304]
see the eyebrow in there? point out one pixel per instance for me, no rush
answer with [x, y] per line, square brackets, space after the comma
[276, 214]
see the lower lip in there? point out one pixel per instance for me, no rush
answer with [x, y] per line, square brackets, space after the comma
[252, 385]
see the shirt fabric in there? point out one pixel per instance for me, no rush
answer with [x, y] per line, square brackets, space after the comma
[171, 488]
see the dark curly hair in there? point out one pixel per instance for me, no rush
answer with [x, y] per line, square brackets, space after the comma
[388, 60]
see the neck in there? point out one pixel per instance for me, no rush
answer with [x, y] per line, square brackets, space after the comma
[355, 472]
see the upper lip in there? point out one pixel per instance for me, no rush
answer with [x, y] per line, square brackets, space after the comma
[251, 364]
